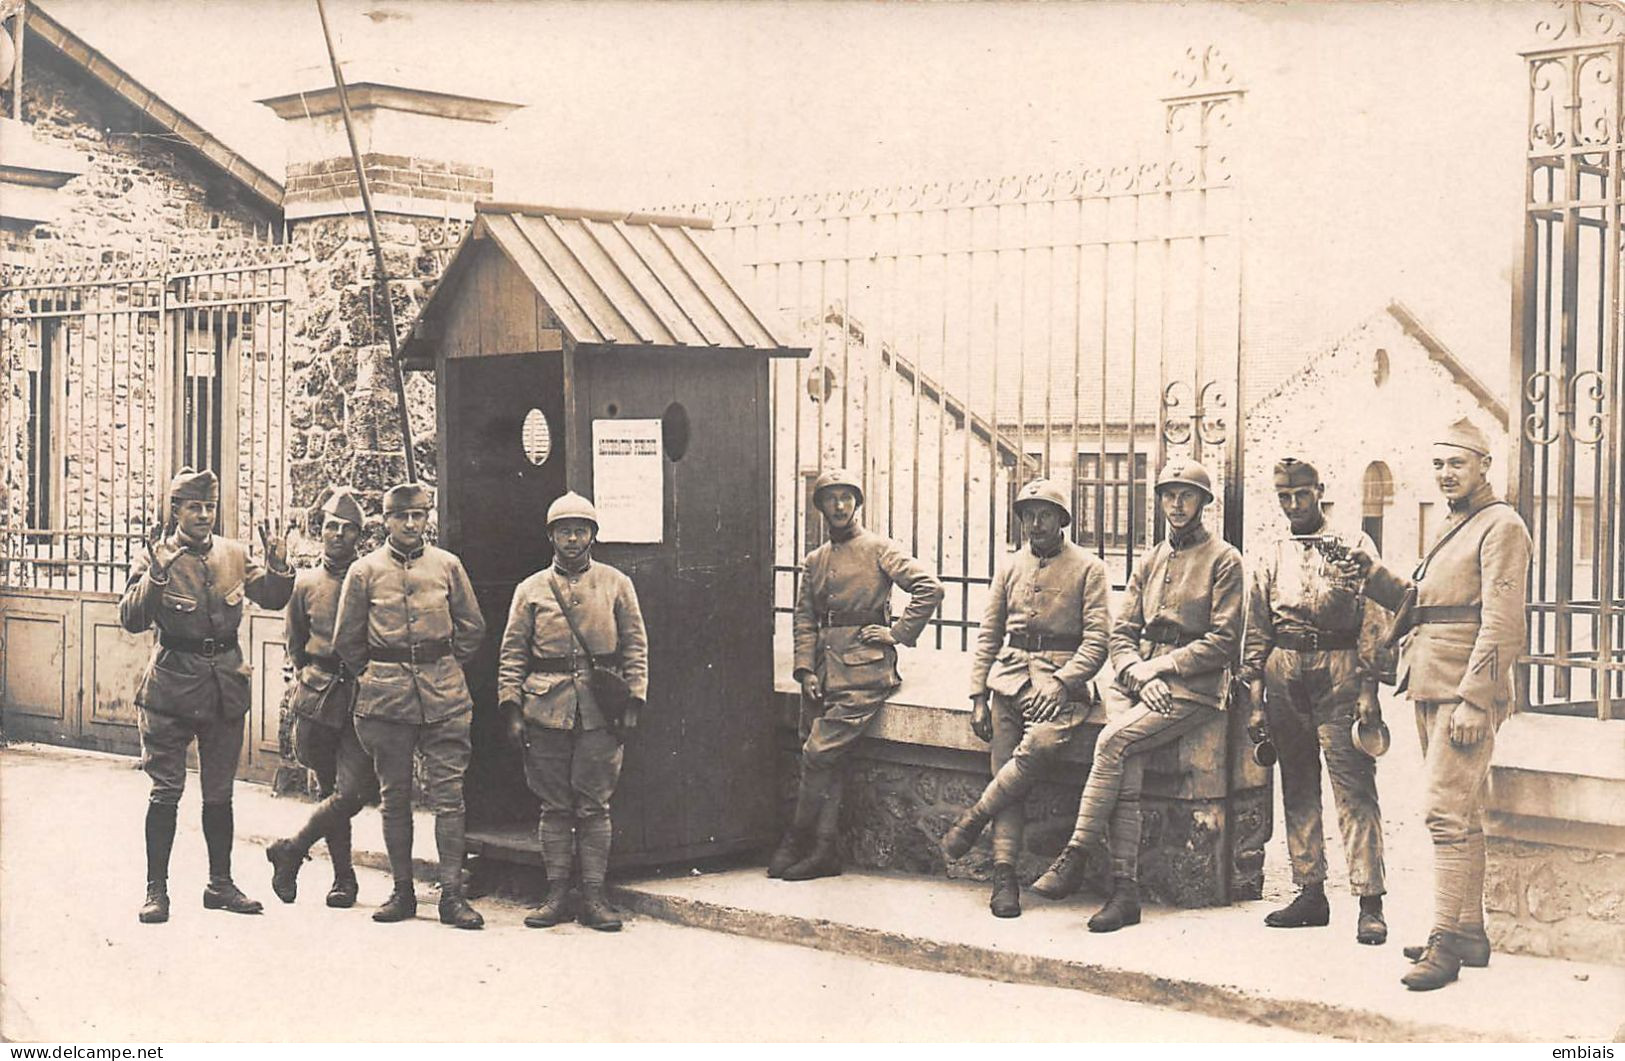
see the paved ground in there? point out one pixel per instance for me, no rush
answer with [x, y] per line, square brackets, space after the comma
[75, 964]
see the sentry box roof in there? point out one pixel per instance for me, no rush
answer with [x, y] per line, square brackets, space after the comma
[610, 279]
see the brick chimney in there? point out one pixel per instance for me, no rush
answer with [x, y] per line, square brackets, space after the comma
[421, 148]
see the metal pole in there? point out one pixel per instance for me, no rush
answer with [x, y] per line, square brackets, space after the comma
[377, 248]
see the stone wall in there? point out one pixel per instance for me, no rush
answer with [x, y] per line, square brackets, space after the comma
[141, 192]
[1556, 901]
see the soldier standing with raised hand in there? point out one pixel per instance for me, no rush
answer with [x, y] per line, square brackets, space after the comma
[322, 699]
[1462, 612]
[1043, 637]
[191, 585]
[1173, 645]
[577, 615]
[408, 622]
[845, 660]
[1317, 651]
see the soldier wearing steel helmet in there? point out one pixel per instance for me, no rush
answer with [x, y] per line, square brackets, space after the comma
[845, 660]
[191, 585]
[407, 624]
[321, 699]
[1317, 651]
[576, 614]
[1043, 637]
[1462, 616]
[1173, 644]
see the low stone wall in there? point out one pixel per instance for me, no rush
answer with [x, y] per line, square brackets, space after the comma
[901, 797]
[1555, 880]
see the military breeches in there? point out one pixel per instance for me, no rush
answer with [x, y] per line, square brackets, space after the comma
[832, 726]
[572, 771]
[1457, 780]
[1018, 751]
[1310, 707]
[164, 740]
[335, 756]
[1111, 796]
[445, 748]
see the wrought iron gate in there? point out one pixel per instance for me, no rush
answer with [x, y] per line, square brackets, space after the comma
[1569, 322]
[111, 377]
[971, 335]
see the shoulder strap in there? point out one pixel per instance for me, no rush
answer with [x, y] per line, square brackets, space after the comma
[575, 631]
[1422, 568]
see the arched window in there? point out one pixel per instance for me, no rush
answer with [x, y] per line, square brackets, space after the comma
[1377, 493]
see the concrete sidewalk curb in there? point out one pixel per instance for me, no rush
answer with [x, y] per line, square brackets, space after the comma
[1213, 1000]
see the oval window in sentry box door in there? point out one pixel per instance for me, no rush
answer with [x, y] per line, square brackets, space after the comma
[674, 431]
[536, 437]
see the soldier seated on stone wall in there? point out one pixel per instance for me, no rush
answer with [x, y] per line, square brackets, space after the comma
[1174, 645]
[1043, 637]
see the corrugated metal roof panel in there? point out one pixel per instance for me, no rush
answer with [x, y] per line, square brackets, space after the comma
[629, 279]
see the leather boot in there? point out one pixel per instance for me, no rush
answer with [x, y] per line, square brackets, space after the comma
[155, 911]
[1372, 928]
[221, 894]
[1006, 901]
[455, 911]
[1471, 946]
[402, 904]
[961, 835]
[1439, 965]
[555, 908]
[1064, 875]
[823, 861]
[342, 895]
[1122, 909]
[792, 849]
[1308, 909]
[596, 913]
[285, 861]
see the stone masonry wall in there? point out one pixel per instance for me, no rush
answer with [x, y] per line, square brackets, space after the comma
[1555, 901]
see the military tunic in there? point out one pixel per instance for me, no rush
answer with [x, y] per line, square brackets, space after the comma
[322, 694]
[845, 586]
[1469, 616]
[1186, 600]
[572, 760]
[198, 688]
[1298, 600]
[394, 602]
[1058, 596]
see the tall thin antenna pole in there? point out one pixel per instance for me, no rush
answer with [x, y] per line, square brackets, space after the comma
[377, 248]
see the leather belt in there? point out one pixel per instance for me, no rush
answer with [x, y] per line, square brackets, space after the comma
[1447, 613]
[207, 647]
[1045, 642]
[870, 617]
[422, 652]
[1168, 635]
[1306, 639]
[571, 664]
[330, 664]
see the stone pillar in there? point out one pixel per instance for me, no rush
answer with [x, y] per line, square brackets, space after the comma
[420, 150]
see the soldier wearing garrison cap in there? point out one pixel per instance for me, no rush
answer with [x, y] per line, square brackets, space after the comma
[846, 661]
[408, 623]
[577, 614]
[321, 698]
[1461, 614]
[1043, 637]
[1173, 645]
[191, 585]
[1313, 655]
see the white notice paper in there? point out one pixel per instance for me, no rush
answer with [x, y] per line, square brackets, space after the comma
[627, 480]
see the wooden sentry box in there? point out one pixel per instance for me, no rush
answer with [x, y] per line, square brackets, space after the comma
[565, 317]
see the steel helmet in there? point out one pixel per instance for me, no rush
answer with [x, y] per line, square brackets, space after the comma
[1373, 739]
[1179, 472]
[1047, 491]
[837, 477]
[572, 506]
